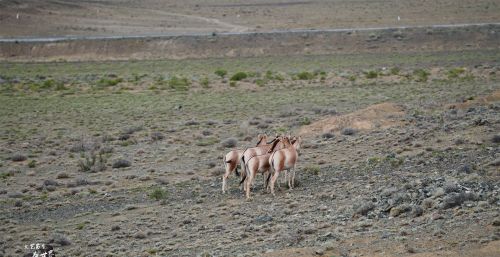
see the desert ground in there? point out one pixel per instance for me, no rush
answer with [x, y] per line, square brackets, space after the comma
[400, 153]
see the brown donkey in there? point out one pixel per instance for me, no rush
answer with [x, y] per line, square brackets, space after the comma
[232, 159]
[259, 163]
[284, 159]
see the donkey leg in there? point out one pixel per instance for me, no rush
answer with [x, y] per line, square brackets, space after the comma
[224, 180]
[249, 183]
[273, 180]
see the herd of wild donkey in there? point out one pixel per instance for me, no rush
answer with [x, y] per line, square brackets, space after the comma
[281, 154]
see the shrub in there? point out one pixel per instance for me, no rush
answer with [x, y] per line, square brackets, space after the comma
[221, 73]
[239, 76]
[395, 70]
[205, 82]
[92, 163]
[305, 121]
[158, 194]
[156, 136]
[305, 75]
[108, 82]
[18, 158]
[328, 135]
[312, 169]
[348, 131]
[121, 163]
[181, 84]
[232, 84]
[269, 75]
[32, 164]
[421, 75]
[371, 74]
[230, 142]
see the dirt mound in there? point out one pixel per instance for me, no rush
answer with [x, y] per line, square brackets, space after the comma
[493, 97]
[382, 115]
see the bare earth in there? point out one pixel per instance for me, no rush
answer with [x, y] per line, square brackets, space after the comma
[129, 17]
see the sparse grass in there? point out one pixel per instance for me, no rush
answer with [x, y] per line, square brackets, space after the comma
[260, 82]
[455, 73]
[312, 169]
[207, 141]
[179, 84]
[421, 75]
[80, 226]
[5, 175]
[158, 194]
[109, 82]
[152, 251]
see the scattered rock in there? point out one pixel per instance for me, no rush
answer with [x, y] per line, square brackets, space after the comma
[263, 219]
[495, 139]
[50, 182]
[62, 175]
[456, 199]
[60, 239]
[364, 208]
[416, 211]
[140, 235]
[398, 210]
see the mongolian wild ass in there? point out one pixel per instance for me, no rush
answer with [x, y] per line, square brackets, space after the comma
[259, 163]
[250, 152]
[284, 159]
[231, 161]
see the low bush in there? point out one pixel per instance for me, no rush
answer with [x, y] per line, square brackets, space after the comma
[239, 76]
